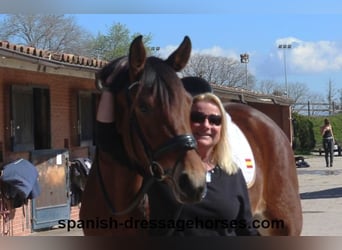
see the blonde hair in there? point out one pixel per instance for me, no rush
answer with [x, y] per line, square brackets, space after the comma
[222, 153]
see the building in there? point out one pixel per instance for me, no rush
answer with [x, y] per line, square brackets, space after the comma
[47, 107]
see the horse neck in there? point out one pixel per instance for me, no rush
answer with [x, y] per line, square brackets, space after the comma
[121, 183]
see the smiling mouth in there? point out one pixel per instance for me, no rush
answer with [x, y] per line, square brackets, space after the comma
[202, 136]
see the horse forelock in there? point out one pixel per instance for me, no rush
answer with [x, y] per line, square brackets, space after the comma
[163, 83]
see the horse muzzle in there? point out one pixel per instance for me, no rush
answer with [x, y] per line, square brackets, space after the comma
[186, 176]
[190, 193]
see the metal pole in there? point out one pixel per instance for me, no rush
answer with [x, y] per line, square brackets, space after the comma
[284, 47]
[246, 76]
[286, 86]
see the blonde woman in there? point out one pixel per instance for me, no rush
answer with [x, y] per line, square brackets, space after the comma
[225, 209]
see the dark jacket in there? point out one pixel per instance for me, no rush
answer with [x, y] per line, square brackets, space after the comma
[225, 210]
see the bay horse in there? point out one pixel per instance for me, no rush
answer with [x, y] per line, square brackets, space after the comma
[275, 193]
[153, 139]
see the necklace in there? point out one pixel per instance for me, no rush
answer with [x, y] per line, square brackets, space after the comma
[210, 170]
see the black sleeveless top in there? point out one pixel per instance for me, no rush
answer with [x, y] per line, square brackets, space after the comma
[225, 210]
[327, 134]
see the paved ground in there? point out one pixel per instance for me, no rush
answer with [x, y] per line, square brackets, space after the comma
[321, 194]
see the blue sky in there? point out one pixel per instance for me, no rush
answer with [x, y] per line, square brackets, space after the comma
[314, 59]
[227, 28]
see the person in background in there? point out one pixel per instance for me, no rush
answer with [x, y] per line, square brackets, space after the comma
[328, 142]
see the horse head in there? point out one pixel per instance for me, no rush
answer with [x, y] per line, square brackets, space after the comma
[152, 116]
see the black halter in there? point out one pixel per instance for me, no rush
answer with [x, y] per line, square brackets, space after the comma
[156, 171]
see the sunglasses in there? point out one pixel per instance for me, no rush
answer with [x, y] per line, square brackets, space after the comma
[198, 117]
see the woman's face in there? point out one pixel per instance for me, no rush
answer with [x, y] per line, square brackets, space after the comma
[206, 120]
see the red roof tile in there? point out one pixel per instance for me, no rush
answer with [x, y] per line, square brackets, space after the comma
[58, 57]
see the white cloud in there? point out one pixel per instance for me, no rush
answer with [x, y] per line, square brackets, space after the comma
[312, 57]
[304, 57]
[214, 51]
[166, 51]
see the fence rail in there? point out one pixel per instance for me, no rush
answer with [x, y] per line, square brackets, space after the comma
[314, 108]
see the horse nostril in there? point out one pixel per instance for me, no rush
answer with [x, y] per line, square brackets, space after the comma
[193, 193]
[184, 181]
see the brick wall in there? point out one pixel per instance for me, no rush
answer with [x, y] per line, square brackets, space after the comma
[63, 102]
[16, 222]
[74, 213]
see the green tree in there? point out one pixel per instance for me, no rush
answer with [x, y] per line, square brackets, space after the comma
[115, 42]
[304, 138]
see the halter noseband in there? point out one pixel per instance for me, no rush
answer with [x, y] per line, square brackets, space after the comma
[186, 141]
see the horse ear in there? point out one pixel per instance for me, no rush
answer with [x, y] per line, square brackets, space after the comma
[137, 57]
[180, 57]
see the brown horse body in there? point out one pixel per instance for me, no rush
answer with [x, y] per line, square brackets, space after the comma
[153, 142]
[275, 194]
